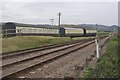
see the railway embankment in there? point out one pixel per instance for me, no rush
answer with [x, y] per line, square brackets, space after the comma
[108, 66]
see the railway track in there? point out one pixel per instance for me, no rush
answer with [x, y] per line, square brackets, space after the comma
[36, 49]
[22, 58]
[17, 64]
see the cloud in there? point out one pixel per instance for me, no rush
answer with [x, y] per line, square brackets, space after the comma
[72, 12]
[60, 0]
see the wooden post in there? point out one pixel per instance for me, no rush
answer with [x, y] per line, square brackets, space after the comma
[97, 47]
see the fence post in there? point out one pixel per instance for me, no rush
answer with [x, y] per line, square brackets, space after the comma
[97, 48]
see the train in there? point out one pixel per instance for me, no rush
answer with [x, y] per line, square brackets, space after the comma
[10, 29]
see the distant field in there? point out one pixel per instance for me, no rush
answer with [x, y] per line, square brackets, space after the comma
[108, 66]
[23, 42]
[102, 33]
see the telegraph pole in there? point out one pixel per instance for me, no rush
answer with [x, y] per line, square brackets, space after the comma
[59, 14]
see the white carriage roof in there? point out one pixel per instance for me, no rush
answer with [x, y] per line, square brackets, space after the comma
[32, 25]
[81, 26]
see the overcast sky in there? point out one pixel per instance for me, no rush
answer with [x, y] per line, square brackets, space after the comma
[72, 12]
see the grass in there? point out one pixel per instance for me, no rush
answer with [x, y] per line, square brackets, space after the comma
[23, 42]
[109, 63]
[102, 33]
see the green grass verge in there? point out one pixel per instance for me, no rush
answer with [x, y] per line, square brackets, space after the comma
[109, 63]
[102, 33]
[24, 42]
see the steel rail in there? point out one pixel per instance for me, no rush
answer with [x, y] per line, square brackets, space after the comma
[46, 60]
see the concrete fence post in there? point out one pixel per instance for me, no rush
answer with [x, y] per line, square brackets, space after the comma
[97, 48]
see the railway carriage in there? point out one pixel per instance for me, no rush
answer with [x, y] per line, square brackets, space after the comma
[11, 29]
[36, 30]
[74, 32]
[90, 32]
